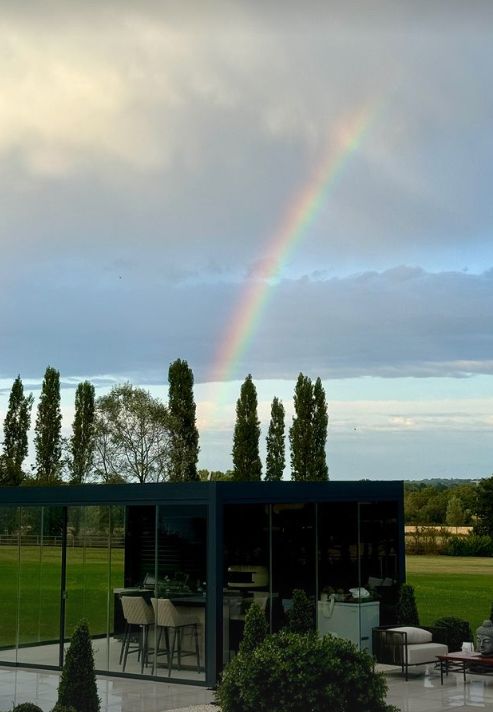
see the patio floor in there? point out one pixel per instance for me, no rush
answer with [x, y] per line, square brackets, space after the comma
[422, 692]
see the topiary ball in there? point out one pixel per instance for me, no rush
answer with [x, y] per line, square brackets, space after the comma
[27, 707]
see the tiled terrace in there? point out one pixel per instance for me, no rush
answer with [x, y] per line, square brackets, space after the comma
[422, 693]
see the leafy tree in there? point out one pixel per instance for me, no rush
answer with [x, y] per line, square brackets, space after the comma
[484, 507]
[133, 436]
[15, 432]
[318, 465]
[77, 686]
[407, 610]
[48, 430]
[301, 431]
[246, 458]
[82, 440]
[276, 457]
[215, 475]
[185, 443]
[455, 512]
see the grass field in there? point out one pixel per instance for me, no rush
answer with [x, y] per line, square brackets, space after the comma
[452, 586]
[35, 578]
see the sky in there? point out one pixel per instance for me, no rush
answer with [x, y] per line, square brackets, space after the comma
[257, 187]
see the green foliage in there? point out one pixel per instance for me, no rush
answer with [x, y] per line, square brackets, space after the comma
[256, 629]
[185, 441]
[48, 430]
[246, 458]
[215, 475]
[318, 466]
[308, 433]
[276, 455]
[407, 611]
[77, 686]
[484, 507]
[82, 440]
[427, 540]
[452, 632]
[15, 434]
[289, 672]
[27, 707]
[301, 615]
[470, 545]
[133, 436]
[429, 503]
[62, 708]
[455, 516]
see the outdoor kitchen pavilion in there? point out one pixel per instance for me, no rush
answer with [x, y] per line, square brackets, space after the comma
[202, 551]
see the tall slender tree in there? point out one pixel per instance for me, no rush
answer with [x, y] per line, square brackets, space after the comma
[276, 449]
[15, 432]
[48, 430]
[318, 465]
[301, 431]
[82, 439]
[182, 409]
[246, 458]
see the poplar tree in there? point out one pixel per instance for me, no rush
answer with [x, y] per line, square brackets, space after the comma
[48, 430]
[82, 439]
[246, 458]
[318, 464]
[15, 432]
[301, 431]
[276, 458]
[182, 409]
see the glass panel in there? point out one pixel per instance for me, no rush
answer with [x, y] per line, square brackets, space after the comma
[181, 584]
[293, 553]
[246, 570]
[88, 576]
[39, 585]
[9, 581]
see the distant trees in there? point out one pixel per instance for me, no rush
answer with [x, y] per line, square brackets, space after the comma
[484, 507]
[455, 516]
[15, 434]
[431, 503]
[185, 437]
[308, 433]
[133, 436]
[276, 457]
[246, 459]
[82, 439]
[48, 430]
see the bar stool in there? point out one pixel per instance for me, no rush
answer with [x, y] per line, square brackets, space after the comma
[138, 615]
[169, 619]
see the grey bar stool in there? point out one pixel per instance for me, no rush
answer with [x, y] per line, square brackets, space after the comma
[171, 621]
[139, 616]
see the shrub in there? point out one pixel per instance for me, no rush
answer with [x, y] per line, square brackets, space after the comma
[289, 672]
[451, 631]
[470, 545]
[407, 611]
[301, 614]
[77, 686]
[27, 707]
[62, 708]
[256, 629]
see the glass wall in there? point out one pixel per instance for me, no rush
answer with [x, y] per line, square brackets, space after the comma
[9, 577]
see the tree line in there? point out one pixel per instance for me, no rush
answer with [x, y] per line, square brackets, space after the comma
[128, 435]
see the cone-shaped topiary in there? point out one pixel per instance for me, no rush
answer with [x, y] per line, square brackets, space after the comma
[255, 629]
[301, 614]
[77, 686]
[407, 611]
[27, 707]
[62, 708]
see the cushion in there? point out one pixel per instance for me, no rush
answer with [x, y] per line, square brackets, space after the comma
[415, 635]
[421, 653]
[373, 581]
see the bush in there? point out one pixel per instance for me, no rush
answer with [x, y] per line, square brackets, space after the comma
[289, 672]
[301, 618]
[256, 629]
[77, 686]
[27, 707]
[407, 611]
[62, 708]
[470, 545]
[451, 631]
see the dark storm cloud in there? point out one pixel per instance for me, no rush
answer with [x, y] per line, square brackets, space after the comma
[402, 322]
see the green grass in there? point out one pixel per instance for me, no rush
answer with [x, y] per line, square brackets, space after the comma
[36, 578]
[451, 586]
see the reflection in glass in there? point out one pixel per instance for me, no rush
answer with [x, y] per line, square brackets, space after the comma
[9, 566]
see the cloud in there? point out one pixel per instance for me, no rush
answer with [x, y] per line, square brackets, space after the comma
[401, 322]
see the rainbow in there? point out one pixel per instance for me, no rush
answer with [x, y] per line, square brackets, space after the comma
[293, 227]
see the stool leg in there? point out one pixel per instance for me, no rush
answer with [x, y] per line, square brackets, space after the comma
[127, 646]
[172, 652]
[125, 633]
[197, 649]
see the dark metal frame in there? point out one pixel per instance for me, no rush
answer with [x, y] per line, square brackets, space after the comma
[215, 496]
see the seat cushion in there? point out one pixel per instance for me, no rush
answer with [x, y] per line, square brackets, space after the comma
[415, 635]
[420, 653]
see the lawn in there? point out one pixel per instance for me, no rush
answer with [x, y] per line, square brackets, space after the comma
[452, 586]
[34, 579]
